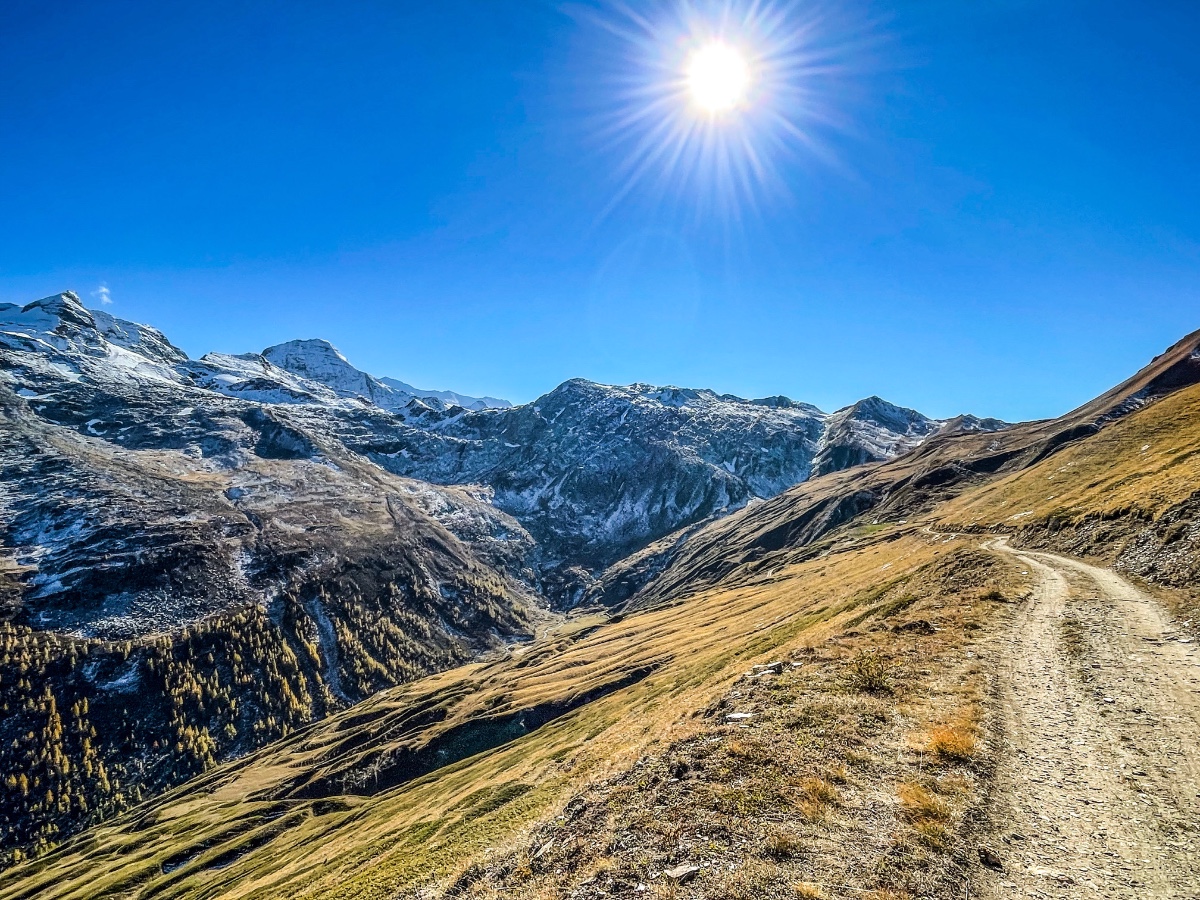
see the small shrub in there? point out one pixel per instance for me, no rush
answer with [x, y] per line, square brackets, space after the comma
[808, 890]
[932, 834]
[922, 805]
[816, 796]
[782, 845]
[820, 790]
[870, 672]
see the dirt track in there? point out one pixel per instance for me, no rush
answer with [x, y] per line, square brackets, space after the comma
[1098, 789]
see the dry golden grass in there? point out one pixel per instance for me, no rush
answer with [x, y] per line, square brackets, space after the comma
[1146, 462]
[692, 654]
[817, 796]
[778, 791]
[782, 845]
[957, 742]
[928, 814]
[921, 804]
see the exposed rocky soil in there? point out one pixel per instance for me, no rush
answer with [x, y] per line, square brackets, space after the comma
[1164, 550]
[1098, 790]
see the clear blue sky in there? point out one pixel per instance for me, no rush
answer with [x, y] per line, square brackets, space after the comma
[995, 208]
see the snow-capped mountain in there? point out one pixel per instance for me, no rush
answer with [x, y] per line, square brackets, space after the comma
[596, 471]
[592, 471]
[144, 490]
[320, 361]
[450, 398]
[210, 553]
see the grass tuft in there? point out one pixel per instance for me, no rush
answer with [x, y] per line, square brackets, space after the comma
[871, 672]
[956, 743]
[817, 796]
[920, 804]
[782, 845]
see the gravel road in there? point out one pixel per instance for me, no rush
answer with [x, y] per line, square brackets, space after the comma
[1098, 788]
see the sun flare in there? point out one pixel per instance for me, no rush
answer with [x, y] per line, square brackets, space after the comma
[709, 105]
[718, 78]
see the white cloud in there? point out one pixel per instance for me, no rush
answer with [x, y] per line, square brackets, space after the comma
[103, 293]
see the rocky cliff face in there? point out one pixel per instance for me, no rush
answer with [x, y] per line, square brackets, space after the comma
[146, 490]
[596, 471]
[593, 472]
[130, 464]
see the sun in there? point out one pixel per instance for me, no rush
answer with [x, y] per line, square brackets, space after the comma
[711, 106]
[718, 78]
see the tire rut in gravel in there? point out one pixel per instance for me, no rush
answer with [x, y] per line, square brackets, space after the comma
[1098, 789]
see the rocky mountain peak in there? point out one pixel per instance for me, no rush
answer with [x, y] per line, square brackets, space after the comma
[140, 339]
[60, 316]
[320, 361]
[67, 307]
[316, 359]
[593, 471]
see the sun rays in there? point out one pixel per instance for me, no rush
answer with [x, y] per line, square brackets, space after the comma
[708, 104]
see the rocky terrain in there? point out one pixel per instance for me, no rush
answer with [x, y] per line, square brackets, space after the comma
[320, 361]
[202, 555]
[852, 662]
[595, 472]
[592, 472]
[189, 572]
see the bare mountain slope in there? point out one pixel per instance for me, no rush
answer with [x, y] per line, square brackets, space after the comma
[597, 471]
[189, 573]
[201, 555]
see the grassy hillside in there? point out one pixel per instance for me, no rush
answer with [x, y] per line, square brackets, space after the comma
[159, 614]
[349, 808]
[952, 465]
[1128, 496]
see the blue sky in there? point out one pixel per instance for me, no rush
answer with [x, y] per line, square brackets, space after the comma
[989, 206]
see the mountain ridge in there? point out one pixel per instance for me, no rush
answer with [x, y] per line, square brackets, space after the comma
[805, 695]
[584, 490]
[199, 556]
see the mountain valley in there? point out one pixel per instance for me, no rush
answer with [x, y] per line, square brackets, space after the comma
[203, 555]
[265, 637]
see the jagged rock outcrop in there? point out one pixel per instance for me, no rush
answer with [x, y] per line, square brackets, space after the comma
[320, 361]
[597, 471]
